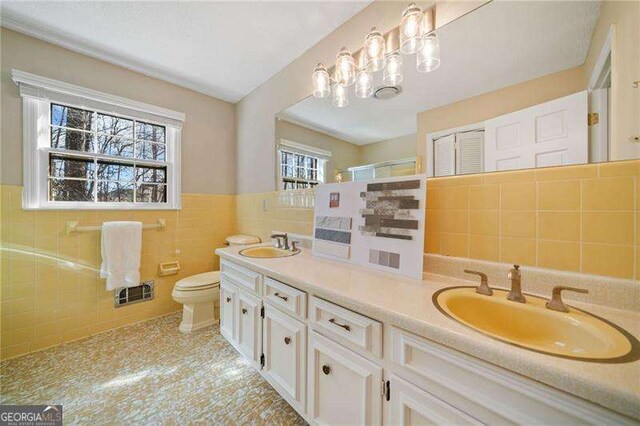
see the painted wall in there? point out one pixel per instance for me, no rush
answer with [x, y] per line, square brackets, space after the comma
[625, 109]
[208, 136]
[344, 154]
[391, 149]
[499, 102]
[50, 289]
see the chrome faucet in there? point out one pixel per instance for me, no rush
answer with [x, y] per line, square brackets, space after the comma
[282, 240]
[515, 294]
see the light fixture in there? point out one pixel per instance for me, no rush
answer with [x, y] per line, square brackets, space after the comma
[364, 84]
[428, 57]
[374, 50]
[345, 68]
[340, 96]
[321, 82]
[393, 70]
[411, 29]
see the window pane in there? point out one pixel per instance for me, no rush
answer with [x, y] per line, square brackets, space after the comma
[150, 193]
[112, 145]
[287, 158]
[116, 126]
[312, 174]
[71, 139]
[115, 171]
[300, 172]
[287, 171]
[71, 167]
[70, 117]
[150, 151]
[70, 190]
[299, 160]
[150, 132]
[152, 174]
[115, 191]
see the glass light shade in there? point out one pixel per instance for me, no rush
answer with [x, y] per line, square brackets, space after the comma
[364, 84]
[374, 49]
[321, 82]
[393, 70]
[428, 57]
[411, 29]
[340, 96]
[345, 68]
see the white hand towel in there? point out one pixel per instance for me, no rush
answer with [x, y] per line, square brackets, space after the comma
[121, 248]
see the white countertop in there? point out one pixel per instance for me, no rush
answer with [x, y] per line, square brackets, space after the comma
[407, 303]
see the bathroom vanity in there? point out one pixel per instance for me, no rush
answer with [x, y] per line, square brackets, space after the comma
[347, 345]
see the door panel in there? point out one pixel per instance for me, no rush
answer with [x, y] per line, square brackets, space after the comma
[228, 310]
[249, 327]
[344, 387]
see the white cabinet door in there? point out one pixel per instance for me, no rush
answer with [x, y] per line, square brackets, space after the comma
[344, 387]
[249, 327]
[284, 347]
[228, 310]
[410, 405]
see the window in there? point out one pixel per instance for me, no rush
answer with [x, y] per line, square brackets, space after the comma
[300, 166]
[108, 153]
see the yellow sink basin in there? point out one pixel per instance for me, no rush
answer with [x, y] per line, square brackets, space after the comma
[575, 335]
[267, 252]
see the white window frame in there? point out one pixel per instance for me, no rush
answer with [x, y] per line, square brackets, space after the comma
[321, 155]
[38, 93]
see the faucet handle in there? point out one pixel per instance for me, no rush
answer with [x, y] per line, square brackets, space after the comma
[556, 303]
[484, 282]
[293, 246]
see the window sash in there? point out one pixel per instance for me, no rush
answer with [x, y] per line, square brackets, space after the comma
[294, 179]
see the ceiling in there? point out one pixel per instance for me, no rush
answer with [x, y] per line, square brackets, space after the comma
[222, 49]
[498, 45]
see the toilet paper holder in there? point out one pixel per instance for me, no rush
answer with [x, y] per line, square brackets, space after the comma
[168, 268]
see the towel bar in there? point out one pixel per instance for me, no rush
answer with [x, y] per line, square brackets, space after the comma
[72, 226]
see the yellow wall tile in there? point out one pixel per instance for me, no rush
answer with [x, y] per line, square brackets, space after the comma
[567, 172]
[508, 177]
[559, 195]
[454, 244]
[454, 198]
[611, 260]
[563, 226]
[608, 227]
[559, 255]
[620, 168]
[454, 221]
[484, 197]
[518, 250]
[484, 222]
[518, 196]
[484, 247]
[520, 224]
[615, 193]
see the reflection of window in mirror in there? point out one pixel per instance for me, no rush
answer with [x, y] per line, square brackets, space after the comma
[300, 166]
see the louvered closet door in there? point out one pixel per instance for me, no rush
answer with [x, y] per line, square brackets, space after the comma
[470, 152]
[444, 156]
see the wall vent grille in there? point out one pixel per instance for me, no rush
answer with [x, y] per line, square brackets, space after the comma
[141, 293]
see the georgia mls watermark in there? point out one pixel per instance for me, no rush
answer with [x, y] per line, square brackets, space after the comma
[30, 415]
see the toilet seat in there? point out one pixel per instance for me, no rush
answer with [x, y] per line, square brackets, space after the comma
[199, 282]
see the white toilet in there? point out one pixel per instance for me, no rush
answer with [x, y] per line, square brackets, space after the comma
[200, 294]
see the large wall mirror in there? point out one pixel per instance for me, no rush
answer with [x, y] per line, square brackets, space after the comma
[520, 85]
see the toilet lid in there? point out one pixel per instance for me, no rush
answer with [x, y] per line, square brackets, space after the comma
[207, 279]
[240, 240]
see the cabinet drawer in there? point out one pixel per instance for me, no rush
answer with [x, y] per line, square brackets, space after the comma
[347, 326]
[490, 394]
[242, 277]
[285, 297]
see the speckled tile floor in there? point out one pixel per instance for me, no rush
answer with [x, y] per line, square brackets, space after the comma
[146, 373]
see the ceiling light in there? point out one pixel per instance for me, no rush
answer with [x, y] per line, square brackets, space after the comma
[411, 29]
[321, 82]
[364, 84]
[345, 68]
[428, 57]
[393, 70]
[374, 49]
[340, 96]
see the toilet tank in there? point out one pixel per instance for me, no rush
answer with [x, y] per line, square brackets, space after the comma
[241, 240]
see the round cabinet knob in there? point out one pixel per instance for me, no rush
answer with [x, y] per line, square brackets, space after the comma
[244, 311]
[228, 299]
[326, 369]
[287, 340]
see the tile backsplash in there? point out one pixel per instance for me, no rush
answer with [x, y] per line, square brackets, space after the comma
[51, 291]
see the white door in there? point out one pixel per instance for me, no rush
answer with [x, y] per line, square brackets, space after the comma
[410, 405]
[249, 327]
[599, 131]
[549, 134]
[470, 152]
[344, 387]
[284, 344]
[228, 310]
[444, 156]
